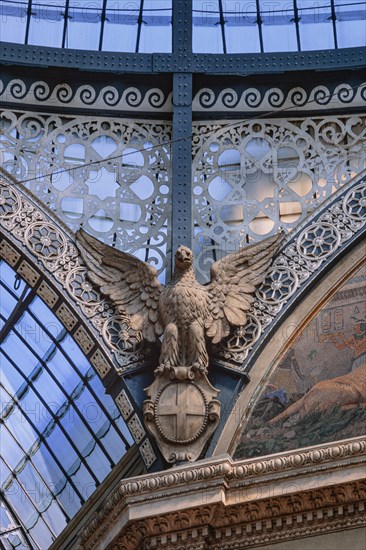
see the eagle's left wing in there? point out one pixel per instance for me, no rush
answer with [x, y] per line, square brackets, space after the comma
[131, 284]
[234, 279]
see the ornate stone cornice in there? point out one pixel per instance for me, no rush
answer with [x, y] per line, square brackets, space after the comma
[294, 494]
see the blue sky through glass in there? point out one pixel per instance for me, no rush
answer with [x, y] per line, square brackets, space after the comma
[60, 434]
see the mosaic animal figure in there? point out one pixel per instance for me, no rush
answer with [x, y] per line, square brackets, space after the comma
[183, 311]
[347, 391]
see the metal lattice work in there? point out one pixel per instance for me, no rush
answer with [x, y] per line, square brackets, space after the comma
[252, 178]
[123, 199]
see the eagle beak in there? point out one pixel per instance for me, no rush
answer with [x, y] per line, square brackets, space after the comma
[186, 256]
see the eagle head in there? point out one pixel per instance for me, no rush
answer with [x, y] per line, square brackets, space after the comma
[183, 257]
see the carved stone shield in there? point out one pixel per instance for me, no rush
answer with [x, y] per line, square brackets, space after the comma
[181, 413]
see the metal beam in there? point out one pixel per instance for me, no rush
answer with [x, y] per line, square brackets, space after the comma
[182, 129]
[182, 161]
[184, 61]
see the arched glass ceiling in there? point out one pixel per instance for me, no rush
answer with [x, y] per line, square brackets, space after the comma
[60, 433]
[219, 26]
[246, 26]
[109, 25]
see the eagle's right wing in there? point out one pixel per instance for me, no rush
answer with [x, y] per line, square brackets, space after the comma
[234, 279]
[131, 284]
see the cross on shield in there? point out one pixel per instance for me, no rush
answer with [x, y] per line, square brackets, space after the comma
[181, 411]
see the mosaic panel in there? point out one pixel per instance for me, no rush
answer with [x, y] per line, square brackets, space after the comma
[318, 391]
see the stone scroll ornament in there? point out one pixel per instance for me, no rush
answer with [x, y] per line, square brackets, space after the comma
[181, 411]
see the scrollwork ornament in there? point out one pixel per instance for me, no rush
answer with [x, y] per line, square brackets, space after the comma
[143, 188]
[237, 345]
[45, 240]
[318, 241]
[354, 203]
[119, 335]
[83, 293]
[80, 288]
[298, 261]
[10, 202]
[279, 285]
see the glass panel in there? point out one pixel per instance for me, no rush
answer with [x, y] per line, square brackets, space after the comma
[99, 463]
[351, 24]
[156, 29]
[77, 431]
[20, 428]
[7, 302]
[46, 24]
[69, 346]
[5, 475]
[41, 534]
[118, 421]
[91, 411]
[65, 452]
[50, 391]
[242, 38]
[54, 517]
[120, 31]
[10, 378]
[63, 371]
[35, 336]
[316, 30]
[19, 353]
[10, 450]
[56, 434]
[110, 439]
[279, 32]
[47, 466]
[45, 315]
[69, 500]
[13, 19]
[22, 506]
[207, 36]
[84, 24]
[35, 487]
[36, 411]
[10, 280]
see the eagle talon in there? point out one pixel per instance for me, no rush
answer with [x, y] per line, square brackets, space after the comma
[199, 368]
[161, 369]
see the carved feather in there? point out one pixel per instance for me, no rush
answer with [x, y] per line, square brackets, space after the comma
[188, 308]
[234, 279]
[131, 284]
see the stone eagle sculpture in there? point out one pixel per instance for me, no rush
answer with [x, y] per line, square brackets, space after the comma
[183, 311]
